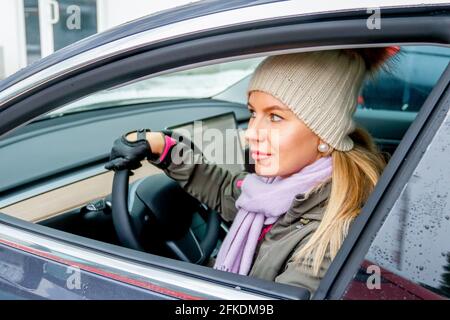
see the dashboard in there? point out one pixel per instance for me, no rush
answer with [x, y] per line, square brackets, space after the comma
[50, 155]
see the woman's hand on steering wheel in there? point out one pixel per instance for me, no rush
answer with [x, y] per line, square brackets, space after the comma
[131, 148]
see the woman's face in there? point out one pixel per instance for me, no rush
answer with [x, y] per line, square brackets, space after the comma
[280, 143]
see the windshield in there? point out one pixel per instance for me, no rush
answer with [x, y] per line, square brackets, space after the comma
[202, 82]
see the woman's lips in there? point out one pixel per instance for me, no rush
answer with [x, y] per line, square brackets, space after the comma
[260, 155]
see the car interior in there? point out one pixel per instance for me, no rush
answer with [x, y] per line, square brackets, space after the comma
[62, 183]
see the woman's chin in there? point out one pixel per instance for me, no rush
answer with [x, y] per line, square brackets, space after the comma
[266, 169]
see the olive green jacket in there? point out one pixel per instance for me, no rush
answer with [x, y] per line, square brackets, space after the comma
[218, 188]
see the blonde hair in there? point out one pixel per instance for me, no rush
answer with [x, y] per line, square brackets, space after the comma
[355, 173]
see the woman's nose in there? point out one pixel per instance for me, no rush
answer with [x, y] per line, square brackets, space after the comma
[250, 135]
[255, 133]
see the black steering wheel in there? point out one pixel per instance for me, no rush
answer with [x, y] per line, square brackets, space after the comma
[155, 214]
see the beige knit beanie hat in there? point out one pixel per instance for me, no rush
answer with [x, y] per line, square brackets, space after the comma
[320, 87]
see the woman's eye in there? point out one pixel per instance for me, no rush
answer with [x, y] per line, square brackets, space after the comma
[275, 118]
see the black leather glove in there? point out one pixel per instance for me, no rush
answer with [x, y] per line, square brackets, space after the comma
[129, 154]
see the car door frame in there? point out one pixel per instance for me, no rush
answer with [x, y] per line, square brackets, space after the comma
[328, 31]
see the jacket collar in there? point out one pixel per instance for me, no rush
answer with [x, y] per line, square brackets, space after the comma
[311, 205]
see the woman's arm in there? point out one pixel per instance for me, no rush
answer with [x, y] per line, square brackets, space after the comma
[209, 183]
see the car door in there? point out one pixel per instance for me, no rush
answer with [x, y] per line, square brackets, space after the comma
[151, 52]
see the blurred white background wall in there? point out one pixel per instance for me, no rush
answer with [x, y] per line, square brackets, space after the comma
[12, 37]
[114, 12]
[32, 29]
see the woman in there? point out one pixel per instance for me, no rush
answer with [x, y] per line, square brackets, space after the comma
[313, 169]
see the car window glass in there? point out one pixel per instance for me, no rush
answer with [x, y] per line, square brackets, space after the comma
[410, 255]
[407, 81]
[195, 83]
[396, 93]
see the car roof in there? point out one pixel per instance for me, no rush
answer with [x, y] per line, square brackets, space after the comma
[192, 11]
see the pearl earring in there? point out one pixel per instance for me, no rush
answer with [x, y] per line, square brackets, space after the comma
[323, 147]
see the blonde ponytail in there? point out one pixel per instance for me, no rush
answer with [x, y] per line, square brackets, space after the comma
[354, 176]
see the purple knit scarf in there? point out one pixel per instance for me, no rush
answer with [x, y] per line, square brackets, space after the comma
[262, 201]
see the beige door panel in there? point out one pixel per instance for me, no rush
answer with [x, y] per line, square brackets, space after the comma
[74, 195]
